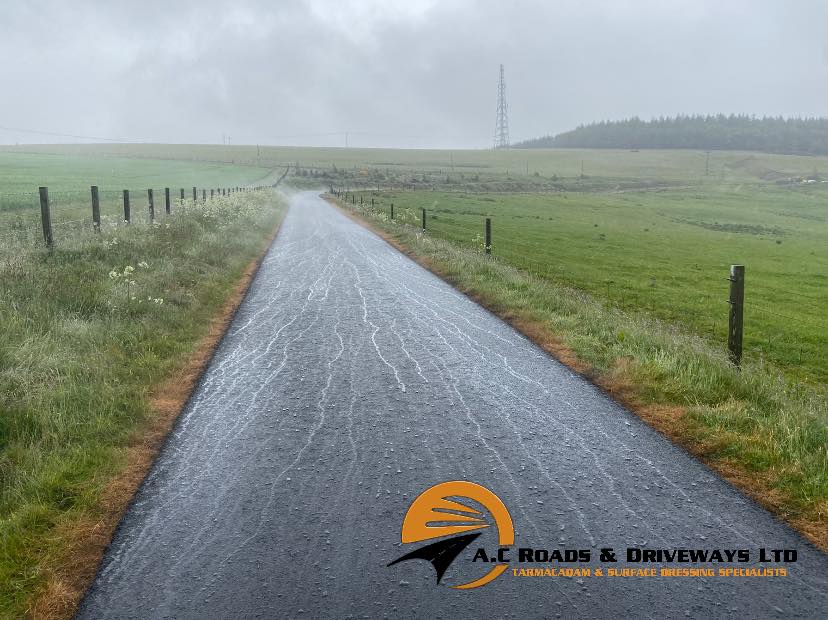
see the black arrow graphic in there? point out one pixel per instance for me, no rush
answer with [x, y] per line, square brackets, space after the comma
[441, 554]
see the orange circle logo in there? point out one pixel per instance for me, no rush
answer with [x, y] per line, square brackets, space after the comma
[434, 515]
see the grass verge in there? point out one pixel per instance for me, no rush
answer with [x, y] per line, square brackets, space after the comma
[103, 339]
[762, 432]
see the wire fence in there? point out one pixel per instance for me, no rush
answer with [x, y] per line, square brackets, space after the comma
[65, 213]
[765, 330]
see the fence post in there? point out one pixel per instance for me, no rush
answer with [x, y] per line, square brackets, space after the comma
[182, 194]
[735, 320]
[424, 220]
[167, 200]
[46, 217]
[392, 210]
[151, 206]
[211, 194]
[195, 195]
[126, 206]
[204, 195]
[488, 235]
[96, 209]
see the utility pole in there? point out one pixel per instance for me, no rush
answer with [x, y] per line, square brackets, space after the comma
[501, 140]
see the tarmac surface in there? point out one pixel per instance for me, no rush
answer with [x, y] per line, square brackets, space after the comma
[350, 381]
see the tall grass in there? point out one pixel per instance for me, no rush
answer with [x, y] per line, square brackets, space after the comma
[89, 329]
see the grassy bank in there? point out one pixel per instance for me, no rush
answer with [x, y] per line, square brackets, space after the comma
[90, 332]
[764, 432]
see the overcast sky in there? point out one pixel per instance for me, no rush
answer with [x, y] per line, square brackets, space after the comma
[413, 73]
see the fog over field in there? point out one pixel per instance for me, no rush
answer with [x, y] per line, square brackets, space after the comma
[419, 73]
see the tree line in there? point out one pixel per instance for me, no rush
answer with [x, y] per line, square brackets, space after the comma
[719, 132]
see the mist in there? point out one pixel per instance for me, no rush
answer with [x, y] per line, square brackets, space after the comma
[415, 74]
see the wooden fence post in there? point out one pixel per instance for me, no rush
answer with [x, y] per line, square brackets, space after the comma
[195, 195]
[204, 195]
[182, 194]
[151, 206]
[488, 235]
[96, 209]
[126, 206]
[392, 210]
[211, 194]
[46, 217]
[167, 205]
[735, 320]
[424, 220]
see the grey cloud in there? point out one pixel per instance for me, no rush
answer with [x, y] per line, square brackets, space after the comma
[410, 74]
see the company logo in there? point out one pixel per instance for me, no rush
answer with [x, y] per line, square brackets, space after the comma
[444, 511]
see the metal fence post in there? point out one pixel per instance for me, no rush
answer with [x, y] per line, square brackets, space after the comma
[736, 319]
[127, 214]
[46, 217]
[96, 209]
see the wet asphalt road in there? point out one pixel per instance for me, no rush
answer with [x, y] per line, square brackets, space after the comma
[350, 381]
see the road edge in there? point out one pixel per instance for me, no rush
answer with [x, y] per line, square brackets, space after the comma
[661, 418]
[73, 574]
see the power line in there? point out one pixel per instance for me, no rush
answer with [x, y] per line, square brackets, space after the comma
[64, 135]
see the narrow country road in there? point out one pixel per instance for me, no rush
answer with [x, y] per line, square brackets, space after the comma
[350, 381]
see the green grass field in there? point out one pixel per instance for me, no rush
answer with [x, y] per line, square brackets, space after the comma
[729, 167]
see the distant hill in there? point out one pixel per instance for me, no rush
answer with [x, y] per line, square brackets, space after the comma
[721, 132]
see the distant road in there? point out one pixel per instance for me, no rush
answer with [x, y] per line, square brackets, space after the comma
[350, 381]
